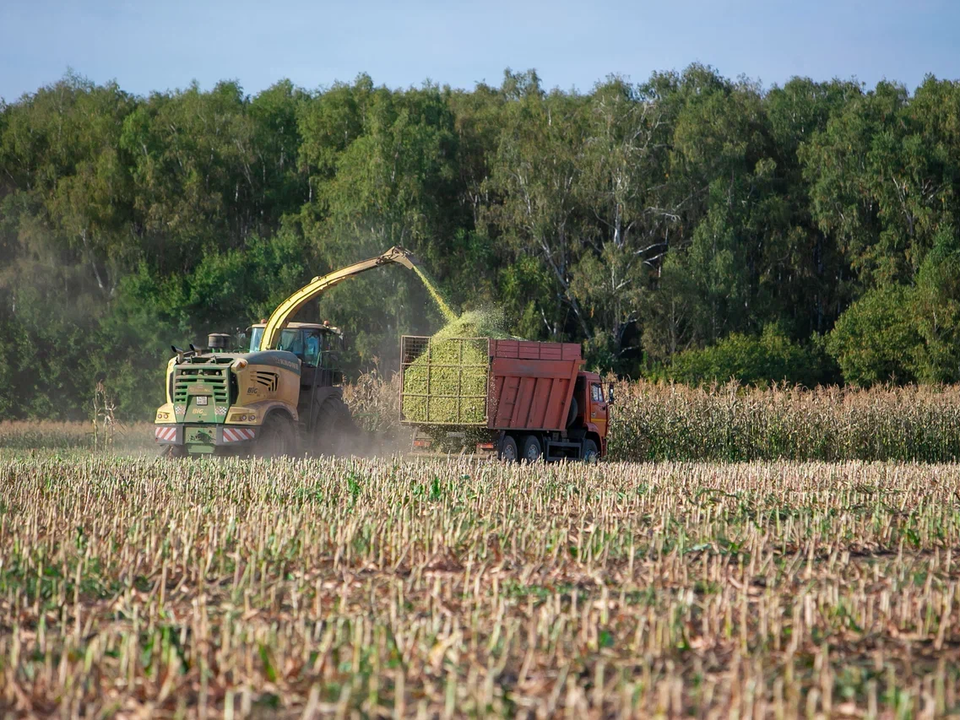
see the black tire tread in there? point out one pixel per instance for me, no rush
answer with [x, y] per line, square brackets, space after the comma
[333, 426]
[588, 445]
[528, 441]
[501, 445]
[275, 422]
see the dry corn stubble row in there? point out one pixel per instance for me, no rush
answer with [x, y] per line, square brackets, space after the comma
[426, 587]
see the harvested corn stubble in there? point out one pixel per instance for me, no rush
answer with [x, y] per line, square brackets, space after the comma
[447, 383]
[413, 585]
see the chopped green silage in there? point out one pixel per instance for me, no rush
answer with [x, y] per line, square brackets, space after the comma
[475, 324]
[445, 310]
[447, 384]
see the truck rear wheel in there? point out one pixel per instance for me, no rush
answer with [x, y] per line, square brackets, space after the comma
[277, 437]
[590, 453]
[508, 449]
[532, 450]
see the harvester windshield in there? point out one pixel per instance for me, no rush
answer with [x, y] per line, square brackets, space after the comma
[290, 340]
[313, 345]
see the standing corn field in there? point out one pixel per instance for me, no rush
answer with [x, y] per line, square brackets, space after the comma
[732, 423]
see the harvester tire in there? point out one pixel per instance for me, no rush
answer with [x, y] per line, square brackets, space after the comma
[335, 433]
[278, 437]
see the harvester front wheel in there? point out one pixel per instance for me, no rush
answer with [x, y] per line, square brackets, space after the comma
[508, 449]
[334, 430]
[277, 437]
[173, 451]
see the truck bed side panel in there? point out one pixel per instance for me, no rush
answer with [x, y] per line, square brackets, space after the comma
[532, 384]
[531, 350]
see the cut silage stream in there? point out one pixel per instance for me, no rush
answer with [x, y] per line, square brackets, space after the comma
[445, 310]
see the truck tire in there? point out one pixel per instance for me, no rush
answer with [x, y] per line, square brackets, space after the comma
[532, 450]
[589, 451]
[508, 449]
[277, 437]
[334, 431]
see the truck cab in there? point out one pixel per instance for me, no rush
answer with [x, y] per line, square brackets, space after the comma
[593, 410]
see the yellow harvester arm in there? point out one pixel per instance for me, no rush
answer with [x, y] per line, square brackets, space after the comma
[288, 308]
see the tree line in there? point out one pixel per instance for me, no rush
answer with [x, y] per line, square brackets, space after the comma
[689, 227]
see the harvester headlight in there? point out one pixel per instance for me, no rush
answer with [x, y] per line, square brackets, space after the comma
[238, 364]
[163, 415]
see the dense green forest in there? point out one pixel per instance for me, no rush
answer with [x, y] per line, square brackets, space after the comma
[688, 227]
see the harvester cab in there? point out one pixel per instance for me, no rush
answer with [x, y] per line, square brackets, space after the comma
[315, 344]
[283, 395]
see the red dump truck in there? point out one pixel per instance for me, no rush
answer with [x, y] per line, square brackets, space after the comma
[524, 400]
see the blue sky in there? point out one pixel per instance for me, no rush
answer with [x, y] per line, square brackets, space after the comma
[165, 44]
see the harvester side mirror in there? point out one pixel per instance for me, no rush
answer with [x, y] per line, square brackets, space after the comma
[610, 394]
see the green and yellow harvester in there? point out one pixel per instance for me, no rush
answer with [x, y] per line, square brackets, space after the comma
[282, 396]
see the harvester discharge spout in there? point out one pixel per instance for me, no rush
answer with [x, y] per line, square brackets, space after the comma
[320, 284]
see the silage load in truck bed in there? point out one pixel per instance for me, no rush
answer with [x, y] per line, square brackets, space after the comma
[446, 382]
